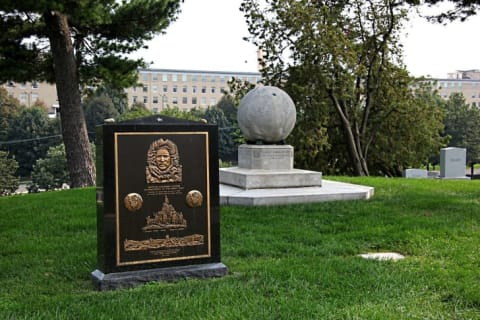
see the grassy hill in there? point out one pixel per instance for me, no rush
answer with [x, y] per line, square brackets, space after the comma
[288, 262]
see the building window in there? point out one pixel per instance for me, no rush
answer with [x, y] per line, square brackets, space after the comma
[23, 85]
[145, 76]
[154, 76]
[213, 101]
[145, 88]
[164, 99]
[204, 89]
[184, 77]
[155, 100]
[145, 99]
[174, 100]
[23, 97]
[164, 77]
[184, 100]
[174, 77]
[204, 78]
[184, 89]
[222, 90]
[222, 78]
[213, 78]
[155, 88]
[174, 88]
[194, 100]
[212, 90]
[204, 101]
[165, 88]
[34, 85]
[194, 78]
[34, 97]
[194, 89]
[134, 99]
[155, 110]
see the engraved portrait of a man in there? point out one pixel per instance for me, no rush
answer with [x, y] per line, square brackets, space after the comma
[163, 162]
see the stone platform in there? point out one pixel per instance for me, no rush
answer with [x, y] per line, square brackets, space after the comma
[329, 191]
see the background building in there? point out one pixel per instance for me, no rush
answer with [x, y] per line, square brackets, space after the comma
[185, 89]
[29, 92]
[462, 81]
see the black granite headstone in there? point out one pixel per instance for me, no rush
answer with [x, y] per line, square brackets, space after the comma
[157, 202]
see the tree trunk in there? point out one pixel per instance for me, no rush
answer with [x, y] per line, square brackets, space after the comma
[74, 130]
[359, 164]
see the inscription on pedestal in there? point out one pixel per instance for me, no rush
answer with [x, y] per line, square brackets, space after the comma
[273, 154]
[265, 157]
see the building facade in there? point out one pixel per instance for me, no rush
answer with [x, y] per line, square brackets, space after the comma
[160, 88]
[461, 81]
[185, 89]
[29, 92]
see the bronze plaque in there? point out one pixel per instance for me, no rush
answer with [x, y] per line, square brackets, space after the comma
[162, 197]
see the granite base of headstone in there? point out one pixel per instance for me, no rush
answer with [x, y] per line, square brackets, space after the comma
[157, 202]
[129, 279]
[453, 162]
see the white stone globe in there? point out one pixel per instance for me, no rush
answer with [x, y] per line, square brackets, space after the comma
[266, 114]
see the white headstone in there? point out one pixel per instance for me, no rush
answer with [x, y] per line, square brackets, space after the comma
[453, 162]
[416, 173]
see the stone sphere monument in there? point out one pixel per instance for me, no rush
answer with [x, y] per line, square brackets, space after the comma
[265, 174]
[266, 114]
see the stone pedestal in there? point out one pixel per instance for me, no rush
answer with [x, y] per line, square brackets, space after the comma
[265, 157]
[268, 166]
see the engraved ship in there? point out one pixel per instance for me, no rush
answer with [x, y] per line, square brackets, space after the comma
[166, 219]
[168, 242]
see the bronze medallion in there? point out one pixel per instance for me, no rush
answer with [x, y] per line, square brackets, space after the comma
[133, 201]
[194, 198]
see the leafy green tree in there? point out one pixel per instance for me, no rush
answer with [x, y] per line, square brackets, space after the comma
[238, 88]
[226, 144]
[30, 136]
[176, 112]
[9, 109]
[97, 108]
[118, 96]
[52, 171]
[8, 180]
[341, 63]
[462, 126]
[461, 11]
[75, 44]
[137, 110]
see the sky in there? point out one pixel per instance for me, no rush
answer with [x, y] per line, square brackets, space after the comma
[208, 35]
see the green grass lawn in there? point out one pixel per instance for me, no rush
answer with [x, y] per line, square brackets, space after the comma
[288, 262]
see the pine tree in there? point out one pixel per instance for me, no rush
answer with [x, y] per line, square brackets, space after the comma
[76, 44]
